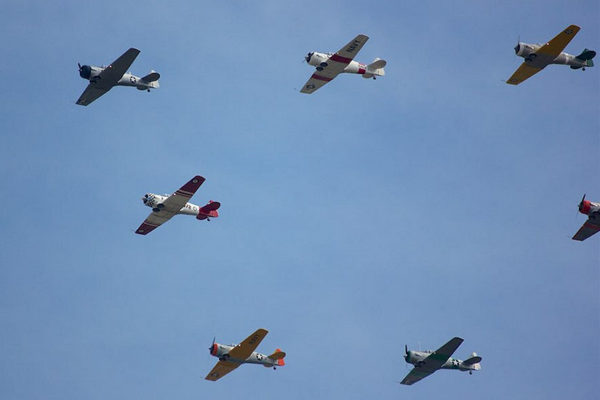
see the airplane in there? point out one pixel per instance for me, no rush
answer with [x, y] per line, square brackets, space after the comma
[592, 225]
[165, 207]
[330, 65]
[427, 362]
[102, 79]
[232, 356]
[538, 56]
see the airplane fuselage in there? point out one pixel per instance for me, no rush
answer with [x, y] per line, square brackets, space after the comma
[528, 52]
[153, 200]
[221, 351]
[417, 358]
[92, 74]
[354, 67]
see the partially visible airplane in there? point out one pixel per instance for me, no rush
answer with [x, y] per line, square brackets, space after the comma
[592, 225]
[331, 65]
[102, 79]
[165, 207]
[538, 56]
[427, 362]
[232, 356]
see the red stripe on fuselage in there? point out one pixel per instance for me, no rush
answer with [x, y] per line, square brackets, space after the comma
[340, 59]
[321, 78]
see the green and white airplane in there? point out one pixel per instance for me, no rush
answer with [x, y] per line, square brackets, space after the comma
[427, 362]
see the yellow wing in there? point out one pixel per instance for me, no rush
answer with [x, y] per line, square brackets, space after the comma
[244, 349]
[525, 71]
[556, 46]
[221, 369]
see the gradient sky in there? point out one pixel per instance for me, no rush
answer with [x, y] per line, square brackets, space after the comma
[435, 202]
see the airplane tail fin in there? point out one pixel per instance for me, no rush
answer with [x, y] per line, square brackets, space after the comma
[278, 356]
[375, 68]
[209, 210]
[152, 79]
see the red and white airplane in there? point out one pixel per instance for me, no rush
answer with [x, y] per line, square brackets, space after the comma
[330, 65]
[165, 207]
[592, 225]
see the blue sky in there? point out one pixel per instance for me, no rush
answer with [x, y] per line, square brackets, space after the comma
[434, 202]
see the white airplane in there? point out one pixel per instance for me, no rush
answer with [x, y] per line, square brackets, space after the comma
[592, 225]
[232, 356]
[538, 56]
[102, 79]
[165, 207]
[427, 362]
[330, 65]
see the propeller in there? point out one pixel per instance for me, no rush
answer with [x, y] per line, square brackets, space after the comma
[518, 45]
[581, 202]
[212, 345]
[79, 65]
[308, 56]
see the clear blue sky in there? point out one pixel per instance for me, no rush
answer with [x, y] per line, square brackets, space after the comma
[434, 202]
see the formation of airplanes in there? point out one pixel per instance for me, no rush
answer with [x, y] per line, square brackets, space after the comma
[327, 67]
[539, 56]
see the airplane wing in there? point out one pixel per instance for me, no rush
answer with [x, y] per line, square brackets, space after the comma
[221, 369]
[335, 64]
[91, 93]
[111, 74]
[170, 206]
[554, 47]
[415, 375]
[244, 349]
[586, 230]
[433, 362]
[525, 71]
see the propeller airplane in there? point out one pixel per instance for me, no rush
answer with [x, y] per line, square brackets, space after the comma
[592, 225]
[232, 356]
[538, 56]
[427, 362]
[165, 207]
[102, 79]
[330, 65]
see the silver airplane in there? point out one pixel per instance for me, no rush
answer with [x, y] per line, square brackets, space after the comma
[232, 356]
[427, 362]
[102, 79]
[592, 225]
[539, 56]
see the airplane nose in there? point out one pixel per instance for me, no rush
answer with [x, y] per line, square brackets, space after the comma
[517, 48]
[308, 57]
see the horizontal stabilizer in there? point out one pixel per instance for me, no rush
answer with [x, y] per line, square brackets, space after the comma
[209, 210]
[377, 64]
[277, 355]
[586, 55]
[211, 206]
[151, 77]
[472, 360]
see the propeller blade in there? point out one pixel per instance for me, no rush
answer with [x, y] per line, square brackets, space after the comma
[79, 65]
[212, 344]
[582, 200]
[406, 349]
